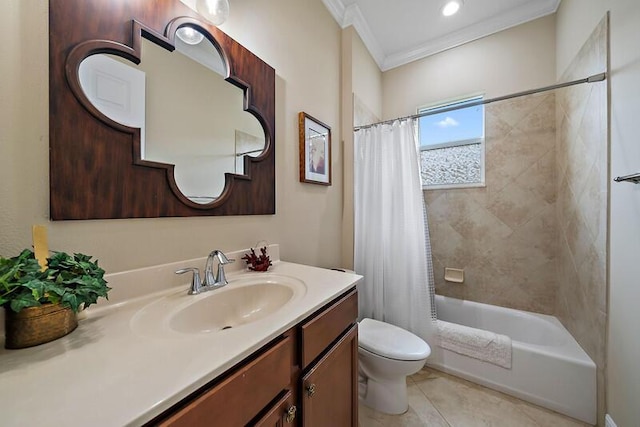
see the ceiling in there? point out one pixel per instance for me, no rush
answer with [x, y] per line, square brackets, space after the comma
[401, 31]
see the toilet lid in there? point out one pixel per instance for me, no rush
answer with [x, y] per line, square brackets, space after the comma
[390, 341]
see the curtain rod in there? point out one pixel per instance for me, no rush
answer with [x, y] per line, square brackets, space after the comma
[592, 79]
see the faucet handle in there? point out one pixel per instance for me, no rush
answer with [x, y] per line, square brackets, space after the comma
[222, 258]
[221, 277]
[196, 284]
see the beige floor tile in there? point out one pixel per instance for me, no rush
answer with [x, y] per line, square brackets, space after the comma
[423, 374]
[466, 405]
[424, 408]
[540, 416]
[439, 399]
[367, 417]
[421, 413]
[545, 418]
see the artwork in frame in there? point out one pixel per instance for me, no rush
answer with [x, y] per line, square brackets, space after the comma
[315, 150]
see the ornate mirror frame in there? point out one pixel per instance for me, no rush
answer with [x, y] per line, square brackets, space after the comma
[96, 171]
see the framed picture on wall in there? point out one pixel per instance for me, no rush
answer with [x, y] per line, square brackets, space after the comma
[315, 150]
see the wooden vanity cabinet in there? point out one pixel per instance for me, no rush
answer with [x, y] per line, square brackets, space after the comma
[329, 355]
[306, 377]
[330, 394]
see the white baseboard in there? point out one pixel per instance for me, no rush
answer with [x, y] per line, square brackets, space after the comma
[608, 421]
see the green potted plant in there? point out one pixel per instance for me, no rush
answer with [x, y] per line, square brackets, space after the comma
[41, 305]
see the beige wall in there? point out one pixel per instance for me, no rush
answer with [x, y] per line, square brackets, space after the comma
[503, 235]
[367, 77]
[299, 38]
[513, 60]
[582, 176]
[346, 122]
[576, 19]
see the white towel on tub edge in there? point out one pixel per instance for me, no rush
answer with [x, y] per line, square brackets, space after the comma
[477, 343]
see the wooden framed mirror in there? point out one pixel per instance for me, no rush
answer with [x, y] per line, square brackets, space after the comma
[98, 166]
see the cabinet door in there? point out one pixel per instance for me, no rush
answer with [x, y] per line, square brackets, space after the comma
[283, 413]
[330, 393]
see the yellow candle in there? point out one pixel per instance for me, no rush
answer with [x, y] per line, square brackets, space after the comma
[40, 245]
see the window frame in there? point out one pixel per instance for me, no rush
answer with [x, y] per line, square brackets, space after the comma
[459, 143]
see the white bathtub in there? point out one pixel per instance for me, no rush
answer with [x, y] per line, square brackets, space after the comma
[548, 366]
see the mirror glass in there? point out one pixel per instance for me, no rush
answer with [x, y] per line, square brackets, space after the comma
[188, 114]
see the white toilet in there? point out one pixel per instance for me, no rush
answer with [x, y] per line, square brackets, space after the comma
[388, 354]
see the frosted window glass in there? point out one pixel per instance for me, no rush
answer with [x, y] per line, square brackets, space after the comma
[452, 165]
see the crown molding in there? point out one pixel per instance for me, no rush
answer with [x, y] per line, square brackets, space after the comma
[336, 8]
[352, 15]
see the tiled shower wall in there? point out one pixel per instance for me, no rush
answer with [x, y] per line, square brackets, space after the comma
[582, 165]
[504, 235]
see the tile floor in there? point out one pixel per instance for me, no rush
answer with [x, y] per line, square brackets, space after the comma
[440, 400]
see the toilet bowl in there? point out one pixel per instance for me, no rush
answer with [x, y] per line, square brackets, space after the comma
[387, 355]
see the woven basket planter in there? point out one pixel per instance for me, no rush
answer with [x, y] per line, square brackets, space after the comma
[38, 325]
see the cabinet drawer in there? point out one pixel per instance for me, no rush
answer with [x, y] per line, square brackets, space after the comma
[280, 414]
[319, 332]
[240, 397]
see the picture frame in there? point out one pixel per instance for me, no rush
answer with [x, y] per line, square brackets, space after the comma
[315, 150]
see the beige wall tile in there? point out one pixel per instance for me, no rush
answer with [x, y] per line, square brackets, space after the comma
[515, 205]
[495, 128]
[541, 177]
[542, 118]
[515, 110]
[592, 200]
[503, 234]
[540, 232]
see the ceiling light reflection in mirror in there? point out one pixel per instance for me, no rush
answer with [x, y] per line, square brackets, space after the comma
[189, 35]
[188, 114]
[451, 7]
[215, 11]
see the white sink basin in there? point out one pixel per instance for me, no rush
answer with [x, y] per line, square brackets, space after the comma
[246, 299]
[235, 307]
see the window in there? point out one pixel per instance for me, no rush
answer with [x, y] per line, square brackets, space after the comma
[452, 145]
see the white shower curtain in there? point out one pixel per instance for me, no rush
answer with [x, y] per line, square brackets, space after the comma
[392, 251]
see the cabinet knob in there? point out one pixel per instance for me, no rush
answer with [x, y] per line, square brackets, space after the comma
[311, 389]
[291, 414]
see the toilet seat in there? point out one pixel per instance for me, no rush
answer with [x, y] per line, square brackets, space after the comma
[390, 341]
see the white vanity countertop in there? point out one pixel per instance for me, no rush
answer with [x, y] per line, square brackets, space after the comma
[107, 374]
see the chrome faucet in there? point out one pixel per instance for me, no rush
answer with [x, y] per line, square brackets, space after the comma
[211, 281]
[219, 279]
